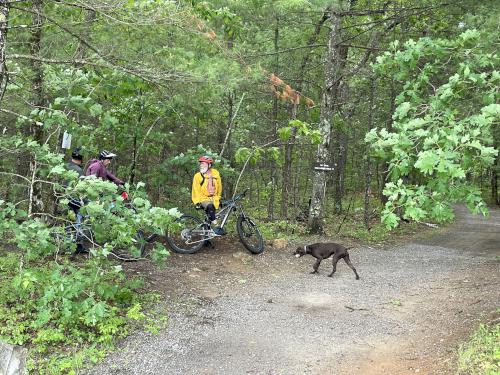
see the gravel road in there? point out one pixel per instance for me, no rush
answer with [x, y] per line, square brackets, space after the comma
[233, 313]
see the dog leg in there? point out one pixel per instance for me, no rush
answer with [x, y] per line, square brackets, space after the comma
[316, 265]
[335, 259]
[348, 261]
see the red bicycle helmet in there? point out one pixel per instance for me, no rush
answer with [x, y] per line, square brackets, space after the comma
[206, 159]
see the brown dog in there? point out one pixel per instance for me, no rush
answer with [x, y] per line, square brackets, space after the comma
[326, 250]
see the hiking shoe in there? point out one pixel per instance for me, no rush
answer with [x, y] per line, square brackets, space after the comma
[219, 231]
[209, 244]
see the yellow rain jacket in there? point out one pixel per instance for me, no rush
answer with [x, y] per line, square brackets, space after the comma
[199, 190]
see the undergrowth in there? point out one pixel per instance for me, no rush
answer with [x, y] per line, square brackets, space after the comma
[481, 354]
[68, 314]
[349, 225]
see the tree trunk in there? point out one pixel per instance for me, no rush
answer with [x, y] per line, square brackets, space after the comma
[287, 167]
[495, 168]
[316, 210]
[270, 207]
[340, 137]
[36, 202]
[385, 164]
[4, 15]
[494, 183]
[368, 169]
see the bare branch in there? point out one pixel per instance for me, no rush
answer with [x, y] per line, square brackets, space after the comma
[15, 175]
[154, 80]
[231, 125]
[21, 116]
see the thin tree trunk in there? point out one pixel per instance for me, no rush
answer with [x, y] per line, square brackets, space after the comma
[494, 184]
[385, 164]
[340, 137]
[339, 172]
[135, 149]
[270, 207]
[36, 131]
[495, 168]
[368, 169]
[4, 16]
[287, 166]
[230, 109]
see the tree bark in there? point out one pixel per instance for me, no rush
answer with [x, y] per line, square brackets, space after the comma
[36, 131]
[495, 168]
[133, 167]
[4, 16]
[287, 167]
[316, 210]
[385, 164]
[270, 207]
[368, 167]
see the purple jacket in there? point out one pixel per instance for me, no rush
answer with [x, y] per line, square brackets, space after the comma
[97, 168]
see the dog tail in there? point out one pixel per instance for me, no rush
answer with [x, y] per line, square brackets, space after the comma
[350, 247]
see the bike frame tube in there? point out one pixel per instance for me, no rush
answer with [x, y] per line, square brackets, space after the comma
[226, 211]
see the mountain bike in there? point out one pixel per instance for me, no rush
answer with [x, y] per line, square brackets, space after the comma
[80, 232]
[189, 233]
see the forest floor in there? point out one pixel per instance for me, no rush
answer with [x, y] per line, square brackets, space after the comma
[234, 313]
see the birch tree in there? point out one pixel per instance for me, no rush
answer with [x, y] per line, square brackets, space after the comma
[4, 14]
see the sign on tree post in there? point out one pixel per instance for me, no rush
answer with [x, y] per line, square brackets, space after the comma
[323, 167]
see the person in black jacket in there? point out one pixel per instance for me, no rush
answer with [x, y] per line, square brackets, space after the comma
[75, 204]
[76, 162]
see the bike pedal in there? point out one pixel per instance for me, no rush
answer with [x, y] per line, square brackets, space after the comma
[219, 231]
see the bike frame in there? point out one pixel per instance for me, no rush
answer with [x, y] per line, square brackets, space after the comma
[224, 213]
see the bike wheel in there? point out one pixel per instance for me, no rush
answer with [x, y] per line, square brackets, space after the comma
[187, 234]
[135, 252]
[64, 237]
[250, 235]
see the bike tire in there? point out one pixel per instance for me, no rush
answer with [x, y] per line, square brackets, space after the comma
[64, 238]
[250, 235]
[127, 255]
[181, 232]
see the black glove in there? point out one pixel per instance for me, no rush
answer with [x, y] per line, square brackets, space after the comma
[197, 206]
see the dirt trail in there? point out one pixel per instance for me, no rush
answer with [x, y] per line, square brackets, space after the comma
[232, 313]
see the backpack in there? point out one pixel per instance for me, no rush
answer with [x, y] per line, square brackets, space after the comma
[211, 184]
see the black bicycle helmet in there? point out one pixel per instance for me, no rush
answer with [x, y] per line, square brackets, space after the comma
[76, 154]
[105, 154]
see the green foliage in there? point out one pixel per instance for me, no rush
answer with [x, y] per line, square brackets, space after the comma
[442, 125]
[481, 354]
[47, 302]
[282, 229]
[230, 22]
[55, 307]
[302, 131]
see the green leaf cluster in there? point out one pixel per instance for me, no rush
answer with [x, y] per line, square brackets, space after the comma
[441, 134]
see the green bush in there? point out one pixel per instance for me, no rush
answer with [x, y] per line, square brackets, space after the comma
[54, 308]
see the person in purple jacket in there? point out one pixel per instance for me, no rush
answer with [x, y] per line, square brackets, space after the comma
[98, 167]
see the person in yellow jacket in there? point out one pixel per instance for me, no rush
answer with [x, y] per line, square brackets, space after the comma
[206, 190]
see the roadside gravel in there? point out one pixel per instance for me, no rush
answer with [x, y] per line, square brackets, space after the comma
[232, 313]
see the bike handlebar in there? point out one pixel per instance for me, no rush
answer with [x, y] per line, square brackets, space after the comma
[241, 195]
